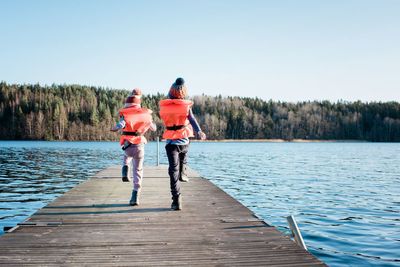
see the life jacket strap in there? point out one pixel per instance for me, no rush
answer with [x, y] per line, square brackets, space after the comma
[131, 133]
[175, 127]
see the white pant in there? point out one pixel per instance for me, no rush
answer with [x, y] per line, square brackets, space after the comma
[135, 152]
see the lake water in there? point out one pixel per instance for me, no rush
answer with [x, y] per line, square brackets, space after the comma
[345, 196]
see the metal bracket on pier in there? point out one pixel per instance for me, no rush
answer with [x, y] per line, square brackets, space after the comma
[158, 151]
[296, 232]
[40, 224]
[10, 229]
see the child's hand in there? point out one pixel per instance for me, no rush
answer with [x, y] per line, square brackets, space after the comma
[201, 135]
[113, 129]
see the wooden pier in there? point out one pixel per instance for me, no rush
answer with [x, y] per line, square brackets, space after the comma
[93, 225]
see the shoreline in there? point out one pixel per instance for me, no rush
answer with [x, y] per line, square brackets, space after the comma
[219, 141]
[281, 141]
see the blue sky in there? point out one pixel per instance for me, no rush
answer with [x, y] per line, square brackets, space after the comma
[280, 50]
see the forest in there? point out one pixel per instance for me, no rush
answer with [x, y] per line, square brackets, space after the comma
[76, 112]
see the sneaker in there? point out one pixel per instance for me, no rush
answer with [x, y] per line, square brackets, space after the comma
[182, 173]
[176, 203]
[183, 178]
[125, 176]
[135, 198]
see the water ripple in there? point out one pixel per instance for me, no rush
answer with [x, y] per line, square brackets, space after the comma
[345, 196]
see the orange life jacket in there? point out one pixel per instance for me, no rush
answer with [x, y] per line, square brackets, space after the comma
[138, 121]
[174, 114]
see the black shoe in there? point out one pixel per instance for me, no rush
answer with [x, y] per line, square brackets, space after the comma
[135, 198]
[125, 176]
[176, 203]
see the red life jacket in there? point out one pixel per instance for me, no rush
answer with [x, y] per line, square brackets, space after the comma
[138, 121]
[174, 114]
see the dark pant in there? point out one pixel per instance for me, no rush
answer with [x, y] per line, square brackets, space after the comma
[177, 156]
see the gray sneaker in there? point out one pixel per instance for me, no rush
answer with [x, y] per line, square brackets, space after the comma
[183, 178]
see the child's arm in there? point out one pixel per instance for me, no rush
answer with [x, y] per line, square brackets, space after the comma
[120, 125]
[153, 127]
[196, 126]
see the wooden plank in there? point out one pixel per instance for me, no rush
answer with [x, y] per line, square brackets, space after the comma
[93, 224]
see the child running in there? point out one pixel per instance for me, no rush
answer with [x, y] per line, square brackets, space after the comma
[177, 116]
[134, 122]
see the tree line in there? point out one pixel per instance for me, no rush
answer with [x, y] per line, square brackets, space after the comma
[75, 112]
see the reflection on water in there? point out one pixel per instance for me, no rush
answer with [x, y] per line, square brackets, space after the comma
[345, 196]
[34, 173]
